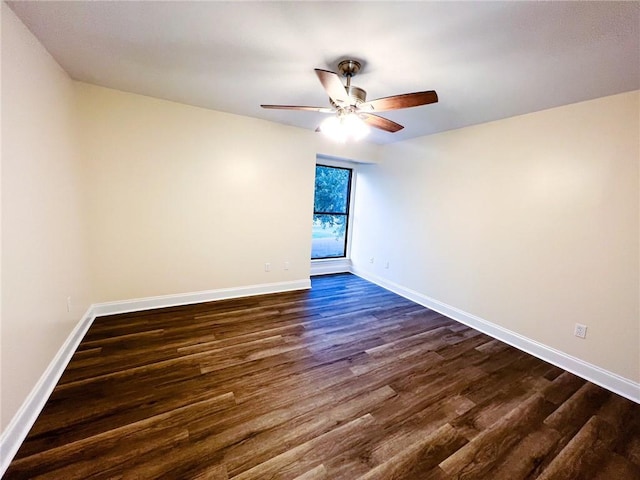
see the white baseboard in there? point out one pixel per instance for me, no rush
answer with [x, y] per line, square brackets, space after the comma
[329, 266]
[149, 303]
[17, 430]
[606, 379]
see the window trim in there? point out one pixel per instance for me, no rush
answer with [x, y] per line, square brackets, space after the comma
[344, 165]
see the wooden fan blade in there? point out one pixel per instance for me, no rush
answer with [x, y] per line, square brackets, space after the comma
[333, 86]
[381, 123]
[397, 102]
[299, 107]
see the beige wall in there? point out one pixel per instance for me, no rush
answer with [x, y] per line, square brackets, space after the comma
[183, 199]
[43, 242]
[530, 223]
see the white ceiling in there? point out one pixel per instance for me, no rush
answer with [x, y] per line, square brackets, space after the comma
[486, 60]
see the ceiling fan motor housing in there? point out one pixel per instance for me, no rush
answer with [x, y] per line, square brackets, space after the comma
[357, 94]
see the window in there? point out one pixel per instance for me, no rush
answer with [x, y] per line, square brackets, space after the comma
[331, 212]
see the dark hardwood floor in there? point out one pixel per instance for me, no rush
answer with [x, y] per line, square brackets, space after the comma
[346, 381]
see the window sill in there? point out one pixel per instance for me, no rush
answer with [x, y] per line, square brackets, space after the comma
[327, 266]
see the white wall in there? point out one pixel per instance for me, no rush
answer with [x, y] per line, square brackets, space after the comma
[184, 199]
[43, 240]
[531, 223]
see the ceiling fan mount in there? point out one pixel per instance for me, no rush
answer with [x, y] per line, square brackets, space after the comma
[349, 100]
[349, 68]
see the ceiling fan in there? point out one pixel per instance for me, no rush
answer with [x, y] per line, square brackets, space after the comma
[349, 103]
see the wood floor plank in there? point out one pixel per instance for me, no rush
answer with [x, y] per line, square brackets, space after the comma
[578, 408]
[421, 456]
[479, 456]
[108, 445]
[297, 459]
[405, 434]
[617, 467]
[525, 457]
[267, 441]
[343, 381]
[582, 456]
[563, 387]
[318, 473]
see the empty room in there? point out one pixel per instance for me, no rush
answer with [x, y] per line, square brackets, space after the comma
[309, 240]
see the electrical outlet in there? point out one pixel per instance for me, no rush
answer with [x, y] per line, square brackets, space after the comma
[286, 265]
[68, 304]
[267, 267]
[580, 331]
[371, 260]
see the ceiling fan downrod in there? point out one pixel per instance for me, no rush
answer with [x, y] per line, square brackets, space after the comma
[348, 68]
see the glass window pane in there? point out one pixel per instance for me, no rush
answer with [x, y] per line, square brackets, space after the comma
[328, 239]
[332, 189]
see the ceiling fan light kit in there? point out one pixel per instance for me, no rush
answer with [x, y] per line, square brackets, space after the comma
[344, 127]
[352, 114]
